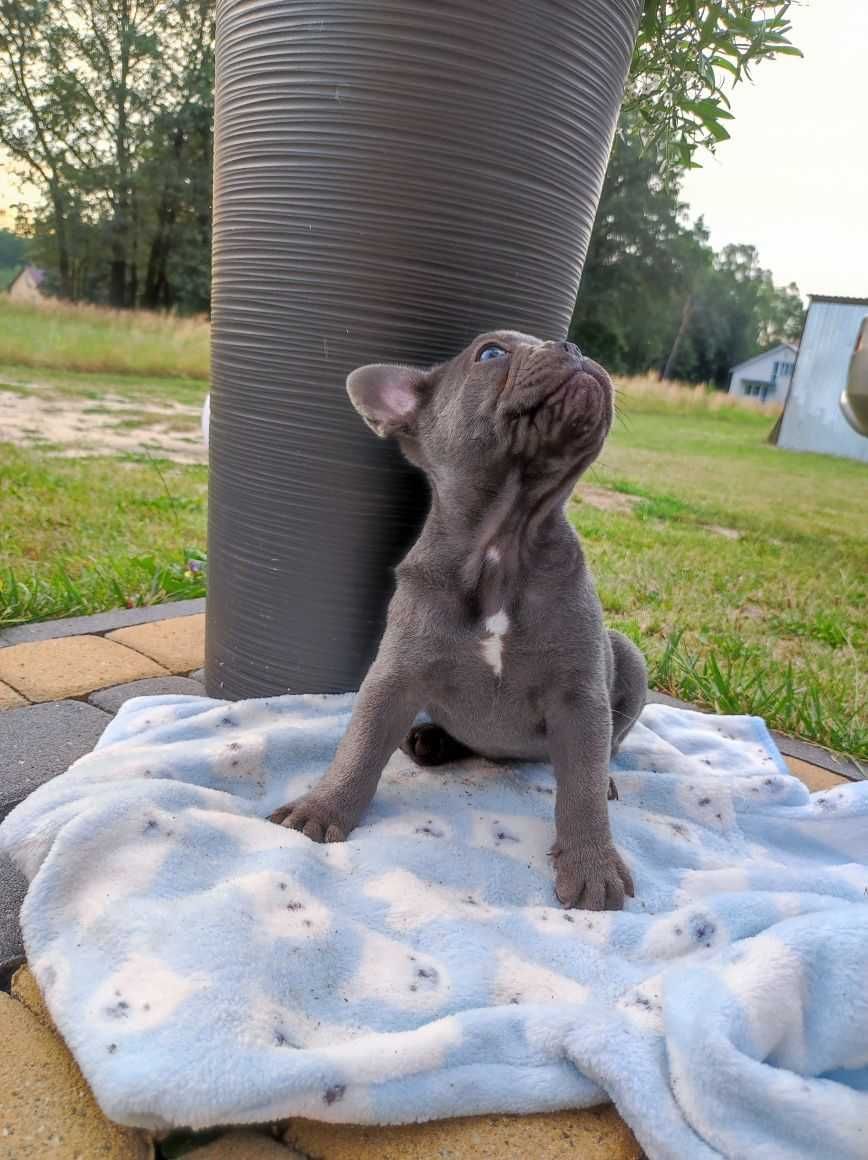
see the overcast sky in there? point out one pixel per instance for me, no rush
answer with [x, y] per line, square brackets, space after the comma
[793, 180]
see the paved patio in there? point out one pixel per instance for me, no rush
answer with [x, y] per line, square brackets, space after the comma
[60, 683]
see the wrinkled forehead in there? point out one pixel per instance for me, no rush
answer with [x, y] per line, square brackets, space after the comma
[511, 338]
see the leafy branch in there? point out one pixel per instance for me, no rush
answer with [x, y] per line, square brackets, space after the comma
[687, 55]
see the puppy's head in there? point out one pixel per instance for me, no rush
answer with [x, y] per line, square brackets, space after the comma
[509, 400]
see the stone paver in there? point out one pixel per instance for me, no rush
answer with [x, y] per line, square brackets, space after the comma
[50, 669]
[48, 1112]
[592, 1134]
[110, 700]
[814, 778]
[813, 755]
[97, 624]
[13, 887]
[178, 645]
[9, 699]
[41, 741]
[244, 1145]
[26, 990]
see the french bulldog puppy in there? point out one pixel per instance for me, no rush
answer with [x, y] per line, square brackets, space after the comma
[495, 630]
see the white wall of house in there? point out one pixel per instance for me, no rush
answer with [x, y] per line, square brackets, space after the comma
[812, 419]
[25, 287]
[766, 377]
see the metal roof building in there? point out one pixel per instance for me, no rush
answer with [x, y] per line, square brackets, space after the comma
[812, 418]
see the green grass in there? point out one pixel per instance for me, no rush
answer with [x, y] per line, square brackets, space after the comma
[84, 535]
[139, 388]
[71, 337]
[773, 623]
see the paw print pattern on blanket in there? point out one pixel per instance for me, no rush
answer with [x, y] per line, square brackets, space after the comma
[209, 967]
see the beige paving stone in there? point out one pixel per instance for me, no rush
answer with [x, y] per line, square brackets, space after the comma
[177, 644]
[813, 776]
[591, 1134]
[245, 1145]
[26, 990]
[47, 1111]
[48, 670]
[9, 699]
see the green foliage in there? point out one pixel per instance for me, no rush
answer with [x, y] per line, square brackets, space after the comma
[687, 52]
[737, 311]
[654, 295]
[107, 107]
[13, 250]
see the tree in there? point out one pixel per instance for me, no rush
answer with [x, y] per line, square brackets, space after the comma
[106, 105]
[12, 249]
[97, 105]
[642, 262]
[654, 296]
[686, 53]
[739, 312]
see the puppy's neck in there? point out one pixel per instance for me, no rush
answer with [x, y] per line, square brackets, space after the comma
[494, 535]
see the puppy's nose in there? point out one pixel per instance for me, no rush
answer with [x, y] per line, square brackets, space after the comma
[572, 350]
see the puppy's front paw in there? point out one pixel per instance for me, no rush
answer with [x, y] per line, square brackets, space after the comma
[591, 877]
[316, 815]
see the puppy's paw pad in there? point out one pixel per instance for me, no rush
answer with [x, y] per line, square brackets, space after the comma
[316, 816]
[591, 878]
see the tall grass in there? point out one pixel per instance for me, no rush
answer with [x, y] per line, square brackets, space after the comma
[77, 337]
[648, 393]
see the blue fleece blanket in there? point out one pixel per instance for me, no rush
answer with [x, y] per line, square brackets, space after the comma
[208, 967]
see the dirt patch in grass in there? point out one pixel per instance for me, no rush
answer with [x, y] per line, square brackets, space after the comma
[33, 415]
[605, 500]
[719, 530]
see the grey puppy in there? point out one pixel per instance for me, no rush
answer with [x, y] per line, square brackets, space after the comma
[495, 629]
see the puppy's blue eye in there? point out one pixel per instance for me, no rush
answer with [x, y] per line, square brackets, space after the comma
[491, 351]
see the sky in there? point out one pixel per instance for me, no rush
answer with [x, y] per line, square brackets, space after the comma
[793, 180]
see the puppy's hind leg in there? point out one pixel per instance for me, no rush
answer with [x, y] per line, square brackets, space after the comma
[428, 744]
[629, 686]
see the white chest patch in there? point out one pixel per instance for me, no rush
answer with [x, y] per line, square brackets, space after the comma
[492, 647]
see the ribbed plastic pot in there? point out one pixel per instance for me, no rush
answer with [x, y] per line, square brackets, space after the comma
[391, 178]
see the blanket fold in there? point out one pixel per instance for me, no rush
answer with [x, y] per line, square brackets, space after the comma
[207, 967]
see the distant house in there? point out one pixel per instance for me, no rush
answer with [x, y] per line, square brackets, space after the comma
[24, 287]
[766, 376]
[812, 418]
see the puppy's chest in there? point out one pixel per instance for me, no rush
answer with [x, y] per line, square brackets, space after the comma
[494, 652]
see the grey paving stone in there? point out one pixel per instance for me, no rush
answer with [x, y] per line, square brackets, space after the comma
[111, 699]
[13, 887]
[41, 741]
[198, 675]
[805, 751]
[101, 623]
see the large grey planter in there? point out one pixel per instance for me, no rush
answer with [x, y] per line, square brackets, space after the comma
[391, 178]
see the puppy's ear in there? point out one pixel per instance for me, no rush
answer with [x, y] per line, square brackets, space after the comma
[387, 397]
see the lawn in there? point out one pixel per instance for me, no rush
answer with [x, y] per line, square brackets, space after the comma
[772, 622]
[738, 568]
[89, 338]
[85, 535]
